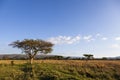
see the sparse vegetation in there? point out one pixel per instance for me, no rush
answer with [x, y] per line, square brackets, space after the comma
[60, 70]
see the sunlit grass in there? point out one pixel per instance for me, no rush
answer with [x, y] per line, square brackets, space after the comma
[62, 70]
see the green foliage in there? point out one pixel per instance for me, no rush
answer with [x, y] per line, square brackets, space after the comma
[88, 56]
[32, 47]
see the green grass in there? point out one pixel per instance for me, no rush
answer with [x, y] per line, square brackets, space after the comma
[60, 70]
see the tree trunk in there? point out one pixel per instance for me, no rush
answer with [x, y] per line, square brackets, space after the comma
[31, 60]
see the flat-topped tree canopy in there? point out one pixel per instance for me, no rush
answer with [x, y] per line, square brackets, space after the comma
[88, 56]
[32, 47]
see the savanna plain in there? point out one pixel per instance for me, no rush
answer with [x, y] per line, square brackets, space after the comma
[60, 70]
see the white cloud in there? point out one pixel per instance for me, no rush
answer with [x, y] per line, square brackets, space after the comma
[116, 46]
[104, 38]
[88, 38]
[98, 35]
[117, 38]
[101, 37]
[64, 39]
[76, 39]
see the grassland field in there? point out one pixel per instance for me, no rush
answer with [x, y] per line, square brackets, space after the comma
[60, 70]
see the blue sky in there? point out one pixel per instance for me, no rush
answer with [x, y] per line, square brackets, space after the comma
[75, 27]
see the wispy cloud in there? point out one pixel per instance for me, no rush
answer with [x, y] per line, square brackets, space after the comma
[101, 37]
[104, 38]
[64, 39]
[98, 35]
[117, 38]
[88, 38]
[116, 46]
[76, 39]
[59, 40]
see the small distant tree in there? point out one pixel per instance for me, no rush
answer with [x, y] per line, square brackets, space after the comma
[88, 56]
[32, 47]
[104, 58]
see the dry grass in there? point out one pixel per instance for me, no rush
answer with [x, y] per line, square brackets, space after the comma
[66, 62]
[62, 69]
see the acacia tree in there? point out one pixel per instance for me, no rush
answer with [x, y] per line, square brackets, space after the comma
[88, 56]
[32, 47]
